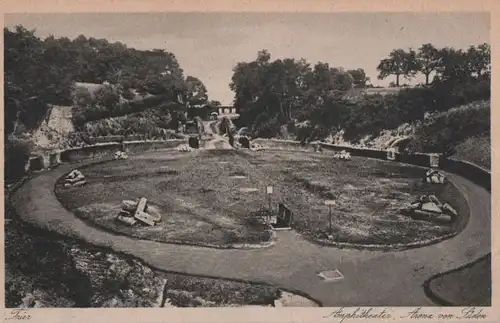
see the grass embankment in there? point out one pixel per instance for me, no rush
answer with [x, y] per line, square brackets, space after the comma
[213, 197]
[463, 132]
[465, 286]
[476, 150]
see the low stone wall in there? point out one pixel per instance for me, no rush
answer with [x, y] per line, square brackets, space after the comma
[472, 172]
[414, 159]
[476, 174]
[142, 146]
[106, 139]
[89, 152]
[54, 158]
[280, 144]
[362, 152]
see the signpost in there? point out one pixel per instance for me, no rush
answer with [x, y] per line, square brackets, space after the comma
[391, 153]
[330, 203]
[269, 191]
[434, 160]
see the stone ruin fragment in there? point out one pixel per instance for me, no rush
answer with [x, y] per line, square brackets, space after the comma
[244, 142]
[434, 177]
[429, 208]
[317, 146]
[120, 155]
[74, 179]
[256, 147]
[183, 148]
[343, 155]
[136, 212]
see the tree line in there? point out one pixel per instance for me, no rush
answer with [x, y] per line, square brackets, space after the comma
[315, 100]
[444, 63]
[39, 73]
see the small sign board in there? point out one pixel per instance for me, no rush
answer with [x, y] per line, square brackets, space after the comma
[269, 190]
[330, 202]
[331, 275]
[284, 215]
[434, 160]
[391, 153]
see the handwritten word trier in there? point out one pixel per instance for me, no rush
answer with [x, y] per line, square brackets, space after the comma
[18, 314]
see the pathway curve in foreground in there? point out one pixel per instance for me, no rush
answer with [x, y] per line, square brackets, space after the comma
[372, 278]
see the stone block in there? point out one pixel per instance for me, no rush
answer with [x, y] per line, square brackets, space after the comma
[431, 207]
[73, 180]
[126, 213]
[75, 184]
[449, 210]
[126, 220]
[141, 206]
[74, 173]
[144, 218]
[129, 205]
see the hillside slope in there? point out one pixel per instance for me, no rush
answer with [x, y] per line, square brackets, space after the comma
[55, 129]
[463, 132]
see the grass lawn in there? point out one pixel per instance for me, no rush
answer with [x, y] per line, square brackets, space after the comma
[211, 197]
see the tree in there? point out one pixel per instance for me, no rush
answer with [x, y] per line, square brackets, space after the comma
[480, 60]
[428, 60]
[33, 79]
[454, 66]
[214, 103]
[359, 78]
[269, 94]
[107, 96]
[196, 93]
[398, 63]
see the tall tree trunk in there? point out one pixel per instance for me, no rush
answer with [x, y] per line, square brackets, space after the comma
[397, 80]
[427, 78]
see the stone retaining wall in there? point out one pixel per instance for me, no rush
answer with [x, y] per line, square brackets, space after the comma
[472, 172]
[53, 158]
[476, 174]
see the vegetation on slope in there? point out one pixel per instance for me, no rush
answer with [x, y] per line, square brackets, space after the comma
[454, 131]
[315, 101]
[110, 86]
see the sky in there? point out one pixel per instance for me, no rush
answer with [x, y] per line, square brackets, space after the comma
[209, 45]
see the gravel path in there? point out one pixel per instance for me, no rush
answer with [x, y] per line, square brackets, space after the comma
[371, 278]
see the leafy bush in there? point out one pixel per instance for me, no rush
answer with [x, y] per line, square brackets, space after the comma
[39, 262]
[443, 132]
[17, 154]
[476, 150]
[97, 111]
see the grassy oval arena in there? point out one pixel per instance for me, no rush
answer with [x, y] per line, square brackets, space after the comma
[215, 197]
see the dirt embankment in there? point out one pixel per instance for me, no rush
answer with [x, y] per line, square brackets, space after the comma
[54, 131]
[43, 269]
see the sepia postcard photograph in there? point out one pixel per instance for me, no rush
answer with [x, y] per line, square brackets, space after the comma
[249, 160]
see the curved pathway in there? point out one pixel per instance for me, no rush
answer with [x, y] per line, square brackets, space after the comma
[372, 278]
[218, 142]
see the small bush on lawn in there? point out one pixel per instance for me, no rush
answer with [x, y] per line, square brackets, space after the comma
[218, 291]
